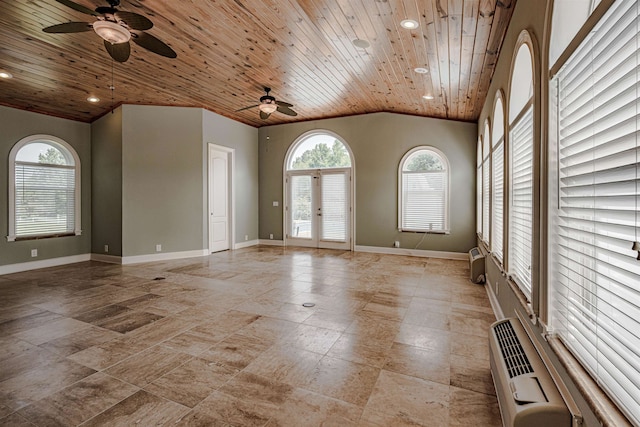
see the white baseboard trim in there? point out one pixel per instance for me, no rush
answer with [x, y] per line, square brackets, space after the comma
[413, 252]
[110, 259]
[269, 242]
[137, 259]
[246, 244]
[493, 299]
[45, 263]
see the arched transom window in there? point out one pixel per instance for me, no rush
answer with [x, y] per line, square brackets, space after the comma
[319, 151]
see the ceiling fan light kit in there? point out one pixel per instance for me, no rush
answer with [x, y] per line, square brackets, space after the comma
[112, 32]
[268, 107]
[116, 28]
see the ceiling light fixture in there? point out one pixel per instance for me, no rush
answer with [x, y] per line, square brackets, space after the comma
[428, 97]
[111, 32]
[5, 75]
[93, 99]
[362, 44]
[268, 107]
[421, 70]
[409, 24]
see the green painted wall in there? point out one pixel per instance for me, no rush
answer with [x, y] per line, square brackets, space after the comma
[106, 184]
[162, 179]
[378, 142]
[220, 130]
[15, 125]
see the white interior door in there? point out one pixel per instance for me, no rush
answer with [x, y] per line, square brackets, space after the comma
[218, 200]
[319, 208]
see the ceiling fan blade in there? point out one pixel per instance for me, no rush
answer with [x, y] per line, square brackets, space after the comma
[246, 108]
[119, 52]
[153, 44]
[286, 110]
[263, 115]
[78, 7]
[134, 20]
[69, 27]
[284, 104]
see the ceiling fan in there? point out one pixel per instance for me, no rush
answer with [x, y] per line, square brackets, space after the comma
[268, 105]
[116, 28]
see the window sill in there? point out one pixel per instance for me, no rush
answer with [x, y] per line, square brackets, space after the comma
[604, 409]
[41, 236]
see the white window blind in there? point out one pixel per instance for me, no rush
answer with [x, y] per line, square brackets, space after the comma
[486, 193]
[44, 199]
[521, 200]
[424, 192]
[596, 295]
[479, 190]
[334, 206]
[497, 227]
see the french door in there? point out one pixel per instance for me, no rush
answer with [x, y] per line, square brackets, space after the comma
[318, 211]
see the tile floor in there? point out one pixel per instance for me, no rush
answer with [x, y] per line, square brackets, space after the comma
[224, 341]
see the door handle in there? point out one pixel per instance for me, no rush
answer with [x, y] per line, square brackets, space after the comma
[319, 214]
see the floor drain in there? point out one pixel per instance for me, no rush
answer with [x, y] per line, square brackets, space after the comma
[308, 304]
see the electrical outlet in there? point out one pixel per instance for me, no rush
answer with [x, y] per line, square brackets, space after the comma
[158, 248]
[106, 248]
[271, 236]
[275, 203]
[246, 237]
[396, 244]
[34, 253]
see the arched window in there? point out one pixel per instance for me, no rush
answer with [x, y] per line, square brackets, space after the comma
[486, 181]
[568, 17]
[479, 188]
[319, 150]
[521, 165]
[497, 163]
[44, 188]
[424, 191]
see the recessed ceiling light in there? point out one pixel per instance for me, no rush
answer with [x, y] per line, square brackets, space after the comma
[421, 70]
[429, 97]
[5, 75]
[409, 24]
[93, 99]
[362, 44]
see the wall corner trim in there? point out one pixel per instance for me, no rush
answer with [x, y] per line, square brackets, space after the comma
[110, 259]
[269, 242]
[45, 263]
[246, 244]
[413, 252]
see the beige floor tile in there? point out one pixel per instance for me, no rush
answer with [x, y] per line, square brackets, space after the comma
[343, 380]
[223, 340]
[137, 408]
[192, 382]
[284, 364]
[78, 402]
[420, 363]
[147, 366]
[471, 408]
[237, 351]
[400, 400]
[310, 409]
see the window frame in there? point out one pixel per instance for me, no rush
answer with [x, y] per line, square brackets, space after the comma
[513, 119]
[67, 149]
[447, 190]
[487, 150]
[498, 143]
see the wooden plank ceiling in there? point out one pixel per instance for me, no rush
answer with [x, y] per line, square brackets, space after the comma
[228, 50]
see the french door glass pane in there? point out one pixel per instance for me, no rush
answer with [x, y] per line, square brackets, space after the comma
[334, 207]
[301, 206]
